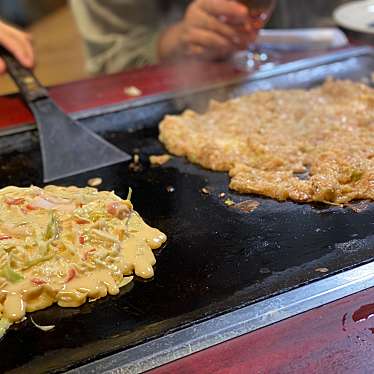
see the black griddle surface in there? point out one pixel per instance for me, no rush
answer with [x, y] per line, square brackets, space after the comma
[216, 259]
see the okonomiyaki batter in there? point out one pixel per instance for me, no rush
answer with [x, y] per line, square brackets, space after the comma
[303, 145]
[68, 245]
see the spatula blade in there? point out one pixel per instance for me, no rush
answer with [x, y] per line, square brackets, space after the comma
[67, 147]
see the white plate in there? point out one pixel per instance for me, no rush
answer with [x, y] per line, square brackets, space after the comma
[302, 39]
[356, 16]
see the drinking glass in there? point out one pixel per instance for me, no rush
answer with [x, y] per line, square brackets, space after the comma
[259, 12]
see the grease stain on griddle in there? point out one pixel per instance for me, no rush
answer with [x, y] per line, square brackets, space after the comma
[322, 270]
[355, 245]
[344, 321]
[265, 271]
[247, 206]
[363, 313]
[16, 169]
[359, 206]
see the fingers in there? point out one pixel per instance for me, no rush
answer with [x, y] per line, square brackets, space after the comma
[205, 54]
[210, 29]
[232, 11]
[29, 49]
[208, 39]
[2, 66]
[18, 43]
[206, 21]
[206, 34]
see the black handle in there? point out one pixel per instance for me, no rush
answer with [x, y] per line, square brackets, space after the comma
[31, 89]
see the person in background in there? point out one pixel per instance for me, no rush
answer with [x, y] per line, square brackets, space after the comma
[122, 34]
[18, 43]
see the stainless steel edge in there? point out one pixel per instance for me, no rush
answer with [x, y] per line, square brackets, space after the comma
[17, 129]
[280, 69]
[233, 324]
[289, 67]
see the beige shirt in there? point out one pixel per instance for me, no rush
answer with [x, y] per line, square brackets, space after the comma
[121, 34]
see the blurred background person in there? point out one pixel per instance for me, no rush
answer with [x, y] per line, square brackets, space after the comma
[123, 34]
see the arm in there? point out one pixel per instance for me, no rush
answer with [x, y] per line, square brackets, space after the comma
[18, 43]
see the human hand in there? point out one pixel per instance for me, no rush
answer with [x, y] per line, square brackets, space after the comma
[18, 43]
[211, 29]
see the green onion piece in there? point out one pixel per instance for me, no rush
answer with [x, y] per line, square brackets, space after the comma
[52, 228]
[229, 202]
[129, 194]
[356, 175]
[12, 276]
[36, 261]
[4, 325]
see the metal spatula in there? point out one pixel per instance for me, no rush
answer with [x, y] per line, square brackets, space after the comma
[67, 147]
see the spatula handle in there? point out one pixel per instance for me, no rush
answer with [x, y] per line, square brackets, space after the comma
[31, 89]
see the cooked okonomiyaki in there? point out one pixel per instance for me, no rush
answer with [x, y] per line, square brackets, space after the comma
[303, 145]
[68, 245]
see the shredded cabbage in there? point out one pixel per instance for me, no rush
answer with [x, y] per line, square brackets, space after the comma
[36, 261]
[41, 327]
[125, 280]
[129, 194]
[4, 325]
[8, 273]
[52, 228]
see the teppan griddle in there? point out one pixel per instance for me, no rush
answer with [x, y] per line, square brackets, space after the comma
[223, 272]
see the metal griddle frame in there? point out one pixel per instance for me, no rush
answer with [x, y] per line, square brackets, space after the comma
[217, 330]
[207, 333]
[230, 325]
[138, 103]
